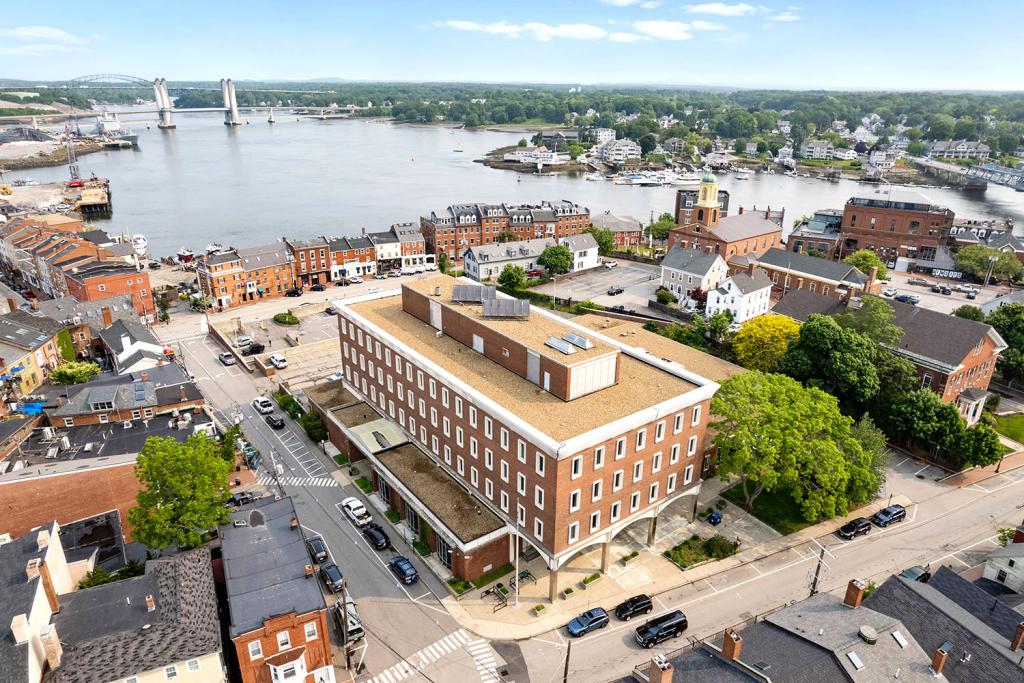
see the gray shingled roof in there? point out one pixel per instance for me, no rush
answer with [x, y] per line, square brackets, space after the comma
[16, 596]
[496, 252]
[800, 304]
[741, 226]
[91, 312]
[693, 261]
[580, 242]
[994, 614]
[106, 639]
[135, 330]
[747, 284]
[273, 254]
[947, 339]
[608, 221]
[812, 265]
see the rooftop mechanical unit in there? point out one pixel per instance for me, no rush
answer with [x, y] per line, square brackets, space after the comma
[506, 308]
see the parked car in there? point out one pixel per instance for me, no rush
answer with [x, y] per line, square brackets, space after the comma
[403, 570]
[317, 549]
[226, 358]
[612, 291]
[918, 281]
[347, 620]
[972, 295]
[355, 280]
[911, 299]
[253, 349]
[356, 511]
[343, 282]
[243, 341]
[263, 405]
[591, 620]
[331, 575]
[854, 528]
[890, 292]
[318, 288]
[293, 292]
[331, 310]
[407, 271]
[376, 536]
[394, 273]
[661, 628]
[610, 264]
[154, 265]
[936, 288]
[916, 573]
[946, 290]
[275, 421]
[278, 361]
[243, 498]
[638, 604]
[889, 515]
[334, 377]
[380, 276]
[534, 272]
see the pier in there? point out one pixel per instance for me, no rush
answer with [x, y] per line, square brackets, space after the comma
[954, 175]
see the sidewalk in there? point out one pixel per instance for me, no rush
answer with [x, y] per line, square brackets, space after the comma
[979, 474]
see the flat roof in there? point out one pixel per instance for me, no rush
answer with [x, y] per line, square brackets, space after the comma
[330, 394]
[532, 332]
[641, 385]
[633, 333]
[448, 501]
[355, 415]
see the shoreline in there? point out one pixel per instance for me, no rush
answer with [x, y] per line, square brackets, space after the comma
[58, 157]
[495, 159]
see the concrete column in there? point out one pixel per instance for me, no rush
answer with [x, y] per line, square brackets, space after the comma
[652, 530]
[605, 553]
[553, 586]
[231, 115]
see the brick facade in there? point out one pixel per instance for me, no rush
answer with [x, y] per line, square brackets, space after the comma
[315, 651]
[111, 281]
[893, 228]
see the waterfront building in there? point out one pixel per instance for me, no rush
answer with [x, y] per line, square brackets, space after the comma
[627, 230]
[603, 135]
[747, 233]
[958, 149]
[412, 244]
[785, 153]
[508, 426]
[844, 153]
[311, 259]
[816, 149]
[28, 352]
[99, 280]
[558, 140]
[894, 223]
[352, 257]
[536, 155]
[234, 277]
[458, 227]
[819, 234]
[619, 151]
[387, 250]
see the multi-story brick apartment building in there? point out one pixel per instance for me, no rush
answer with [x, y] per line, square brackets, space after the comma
[28, 352]
[276, 607]
[543, 426]
[894, 223]
[239, 276]
[414, 246]
[98, 280]
[311, 259]
[352, 257]
[626, 230]
[460, 226]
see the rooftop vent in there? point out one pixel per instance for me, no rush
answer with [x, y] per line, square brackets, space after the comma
[900, 639]
[868, 634]
[578, 340]
[855, 660]
[560, 345]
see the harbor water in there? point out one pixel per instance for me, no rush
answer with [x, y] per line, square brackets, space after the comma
[205, 182]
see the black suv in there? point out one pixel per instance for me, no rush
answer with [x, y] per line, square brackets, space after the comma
[855, 527]
[274, 421]
[317, 288]
[332, 576]
[889, 515]
[376, 536]
[638, 604]
[293, 292]
[662, 628]
[253, 349]
[317, 549]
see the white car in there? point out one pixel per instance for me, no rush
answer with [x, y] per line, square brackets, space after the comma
[356, 511]
[610, 264]
[890, 291]
[278, 361]
[243, 341]
[334, 377]
[408, 271]
[263, 405]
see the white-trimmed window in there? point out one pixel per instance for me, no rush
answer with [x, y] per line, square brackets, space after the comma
[574, 501]
[170, 672]
[460, 464]
[538, 497]
[656, 463]
[459, 437]
[444, 397]
[458, 406]
[433, 417]
[574, 532]
[504, 439]
[595, 521]
[504, 471]
[446, 426]
[696, 416]
[434, 447]
[677, 424]
[284, 640]
[504, 501]
[423, 408]
[398, 364]
[489, 489]
[310, 629]
[620, 448]
[538, 528]
[615, 511]
[473, 447]
[521, 450]
[653, 493]
[432, 388]
[419, 380]
[596, 489]
[540, 463]
[474, 477]
[488, 427]
[193, 665]
[599, 457]
[670, 486]
[673, 456]
[641, 439]
[472, 417]
[691, 446]
[576, 467]
[520, 514]
[69, 422]
[634, 501]
[489, 458]
[638, 470]
[659, 431]
[687, 475]
[447, 454]
[617, 480]
[521, 483]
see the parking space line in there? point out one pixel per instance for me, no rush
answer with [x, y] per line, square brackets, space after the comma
[921, 470]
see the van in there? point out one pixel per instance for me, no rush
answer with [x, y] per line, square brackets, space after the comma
[662, 628]
[352, 623]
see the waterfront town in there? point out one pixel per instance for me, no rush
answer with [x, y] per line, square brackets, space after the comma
[538, 432]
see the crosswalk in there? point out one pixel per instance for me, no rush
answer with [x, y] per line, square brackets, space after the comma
[297, 449]
[483, 657]
[435, 652]
[267, 480]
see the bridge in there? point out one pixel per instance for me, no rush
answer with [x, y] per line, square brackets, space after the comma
[1000, 175]
[957, 176]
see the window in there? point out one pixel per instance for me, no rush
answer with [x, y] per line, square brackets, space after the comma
[432, 388]
[473, 477]
[520, 515]
[284, 641]
[310, 629]
[489, 458]
[102, 288]
[504, 471]
[489, 489]
[538, 528]
[671, 485]
[446, 426]
[448, 454]
[574, 532]
[170, 672]
[540, 463]
[472, 417]
[634, 502]
[620, 448]
[473, 447]
[926, 381]
[638, 470]
[691, 446]
[696, 416]
[653, 493]
[433, 445]
[656, 463]
[460, 464]
[488, 428]
[458, 406]
[595, 491]
[459, 437]
[433, 414]
[504, 501]
[504, 439]
[521, 483]
[574, 501]
[69, 422]
[576, 467]
[614, 515]
[444, 397]
[521, 450]
[595, 521]
[255, 650]
[617, 480]
[659, 431]
[687, 475]
[641, 439]
[673, 456]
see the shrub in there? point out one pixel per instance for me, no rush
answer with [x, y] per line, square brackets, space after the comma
[538, 608]
[568, 591]
[314, 426]
[421, 547]
[493, 575]
[666, 297]
[285, 319]
[459, 585]
[718, 547]
[592, 578]
[630, 556]
[288, 404]
[364, 484]
[74, 372]
[587, 306]
[392, 516]
[341, 459]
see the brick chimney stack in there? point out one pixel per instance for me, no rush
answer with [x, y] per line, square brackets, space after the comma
[108, 319]
[939, 658]
[1018, 637]
[660, 671]
[51, 645]
[854, 593]
[19, 628]
[732, 645]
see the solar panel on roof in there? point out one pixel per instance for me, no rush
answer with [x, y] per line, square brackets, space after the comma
[578, 340]
[489, 293]
[506, 308]
[467, 293]
[560, 345]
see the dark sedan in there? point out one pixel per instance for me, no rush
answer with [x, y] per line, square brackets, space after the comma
[317, 288]
[293, 292]
[889, 515]
[638, 604]
[854, 528]
[332, 576]
[274, 421]
[376, 537]
[403, 570]
[591, 620]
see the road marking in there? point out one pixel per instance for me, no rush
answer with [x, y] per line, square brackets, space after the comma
[425, 656]
[483, 657]
[267, 480]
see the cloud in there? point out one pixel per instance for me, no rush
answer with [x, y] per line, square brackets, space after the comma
[620, 37]
[784, 17]
[495, 28]
[663, 30]
[545, 32]
[37, 50]
[48, 34]
[722, 9]
[707, 26]
[645, 4]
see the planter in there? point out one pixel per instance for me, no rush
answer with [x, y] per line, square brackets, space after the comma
[590, 581]
[630, 559]
[564, 594]
[537, 610]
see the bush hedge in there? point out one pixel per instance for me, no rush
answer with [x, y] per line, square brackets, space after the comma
[285, 319]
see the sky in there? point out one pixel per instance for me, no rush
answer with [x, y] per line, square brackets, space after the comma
[871, 44]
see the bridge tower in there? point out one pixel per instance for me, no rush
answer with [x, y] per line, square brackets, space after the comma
[227, 89]
[163, 103]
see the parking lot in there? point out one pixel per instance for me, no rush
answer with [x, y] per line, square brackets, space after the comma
[638, 280]
[944, 303]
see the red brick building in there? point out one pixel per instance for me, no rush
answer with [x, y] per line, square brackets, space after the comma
[312, 260]
[235, 277]
[352, 256]
[627, 230]
[893, 223]
[104, 279]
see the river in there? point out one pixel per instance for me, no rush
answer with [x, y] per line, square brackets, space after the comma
[205, 182]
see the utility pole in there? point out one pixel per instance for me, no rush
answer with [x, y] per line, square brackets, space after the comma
[344, 623]
[819, 564]
[568, 651]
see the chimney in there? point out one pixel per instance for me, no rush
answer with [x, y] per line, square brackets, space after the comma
[43, 540]
[939, 658]
[295, 523]
[660, 670]
[12, 305]
[732, 645]
[60, 401]
[19, 628]
[108, 319]
[150, 603]
[871, 279]
[751, 268]
[51, 645]
[854, 593]
[1018, 637]
[364, 231]
[768, 213]
[741, 210]
[35, 303]
[32, 568]
[144, 376]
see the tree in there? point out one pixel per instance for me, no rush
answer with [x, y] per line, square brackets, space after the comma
[921, 419]
[969, 312]
[556, 260]
[774, 434]
[74, 372]
[873, 319]
[666, 297]
[512, 278]
[915, 148]
[507, 236]
[979, 446]
[761, 342]
[314, 426]
[605, 240]
[870, 470]
[228, 443]
[1008, 321]
[163, 305]
[966, 128]
[864, 260]
[897, 377]
[574, 149]
[940, 127]
[977, 260]
[184, 491]
[659, 229]
[717, 329]
[522, 143]
[95, 577]
[835, 359]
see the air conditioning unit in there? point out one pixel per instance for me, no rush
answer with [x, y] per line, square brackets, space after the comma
[88, 447]
[51, 452]
[127, 424]
[49, 432]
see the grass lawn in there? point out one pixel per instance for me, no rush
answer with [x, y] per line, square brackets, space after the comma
[1011, 426]
[777, 509]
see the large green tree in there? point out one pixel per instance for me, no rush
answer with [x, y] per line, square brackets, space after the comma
[512, 277]
[605, 240]
[921, 419]
[184, 491]
[979, 260]
[864, 260]
[74, 372]
[762, 341]
[969, 312]
[873, 318]
[556, 260]
[979, 447]
[1008, 321]
[659, 228]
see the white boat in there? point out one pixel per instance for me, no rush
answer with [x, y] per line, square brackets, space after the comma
[742, 176]
[744, 171]
[593, 176]
[214, 248]
[791, 174]
[687, 179]
[185, 255]
[140, 244]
